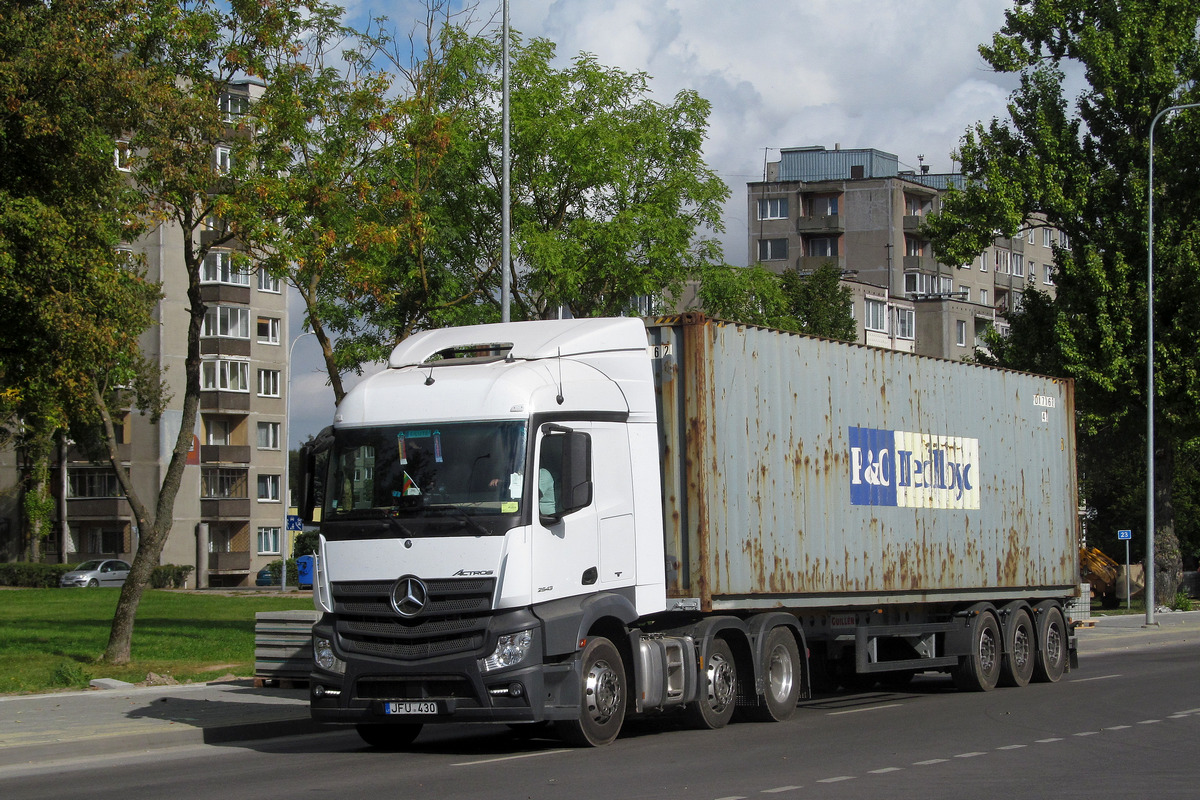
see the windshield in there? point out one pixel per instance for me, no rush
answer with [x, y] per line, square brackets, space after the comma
[458, 470]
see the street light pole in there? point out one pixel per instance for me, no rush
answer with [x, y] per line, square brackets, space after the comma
[286, 489]
[1150, 369]
[506, 179]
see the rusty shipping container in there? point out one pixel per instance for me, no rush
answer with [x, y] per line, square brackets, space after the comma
[804, 473]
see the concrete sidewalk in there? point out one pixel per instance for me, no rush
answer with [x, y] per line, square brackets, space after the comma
[39, 728]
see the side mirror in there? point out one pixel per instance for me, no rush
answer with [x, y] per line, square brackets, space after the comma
[311, 475]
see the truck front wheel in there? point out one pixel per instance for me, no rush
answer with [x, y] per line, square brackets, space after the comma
[602, 697]
[718, 688]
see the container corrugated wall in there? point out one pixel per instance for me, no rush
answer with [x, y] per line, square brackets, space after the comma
[793, 469]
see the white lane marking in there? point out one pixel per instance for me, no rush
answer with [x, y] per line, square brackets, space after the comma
[930, 761]
[886, 770]
[509, 758]
[1095, 678]
[779, 789]
[1150, 722]
[969, 755]
[732, 797]
[860, 710]
[1047, 741]
[1118, 727]
[1012, 747]
[838, 779]
[1086, 733]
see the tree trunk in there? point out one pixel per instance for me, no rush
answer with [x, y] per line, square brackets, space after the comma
[1168, 560]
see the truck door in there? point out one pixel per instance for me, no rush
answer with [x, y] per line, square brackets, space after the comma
[579, 550]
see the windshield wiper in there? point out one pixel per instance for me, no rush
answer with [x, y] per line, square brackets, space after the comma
[462, 516]
[400, 526]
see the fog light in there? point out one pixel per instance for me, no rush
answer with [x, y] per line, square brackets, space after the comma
[515, 690]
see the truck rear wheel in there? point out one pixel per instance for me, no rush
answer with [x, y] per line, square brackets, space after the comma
[717, 688]
[1019, 656]
[1051, 660]
[782, 678]
[602, 697]
[389, 737]
[979, 670]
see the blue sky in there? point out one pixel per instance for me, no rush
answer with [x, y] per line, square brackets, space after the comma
[904, 76]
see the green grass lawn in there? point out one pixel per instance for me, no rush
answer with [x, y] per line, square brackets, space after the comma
[52, 638]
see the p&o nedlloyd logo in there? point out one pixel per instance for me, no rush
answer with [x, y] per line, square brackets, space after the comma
[409, 596]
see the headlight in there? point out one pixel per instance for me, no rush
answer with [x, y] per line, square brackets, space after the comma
[324, 657]
[511, 649]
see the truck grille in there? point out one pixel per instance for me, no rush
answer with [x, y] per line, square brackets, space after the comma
[454, 620]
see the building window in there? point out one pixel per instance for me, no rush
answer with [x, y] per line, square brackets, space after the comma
[268, 541]
[825, 206]
[945, 284]
[93, 483]
[1063, 240]
[772, 249]
[268, 330]
[227, 321]
[1018, 265]
[1029, 236]
[122, 157]
[960, 333]
[983, 262]
[1047, 237]
[823, 246]
[875, 315]
[268, 383]
[913, 247]
[268, 488]
[223, 482]
[225, 375]
[983, 297]
[905, 323]
[965, 291]
[223, 160]
[1047, 275]
[234, 107]
[1003, 264]
[216, 431]
[267, 282]
[1032, 272]
[773, 208]
[268, 436]
[218, 268]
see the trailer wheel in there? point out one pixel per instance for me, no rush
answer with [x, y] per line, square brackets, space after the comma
[782, 678]
[602, 697]
[979, 670]
[1051, 660]
[389, 737]
[717, 689]
[1020, 654]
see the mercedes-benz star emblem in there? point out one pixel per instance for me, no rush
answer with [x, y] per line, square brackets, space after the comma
[409, 596]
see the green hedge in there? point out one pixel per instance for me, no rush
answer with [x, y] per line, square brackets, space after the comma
[170, 576]
[33, 575]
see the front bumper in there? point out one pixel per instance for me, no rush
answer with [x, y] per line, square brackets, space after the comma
[459, 691]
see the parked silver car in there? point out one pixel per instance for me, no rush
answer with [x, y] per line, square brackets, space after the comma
[100, 572]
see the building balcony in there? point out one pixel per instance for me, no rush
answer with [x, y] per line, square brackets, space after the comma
[912, 222]
[831, 223]
[807, 264]
[224, 454]
[229, 562]
[923, 264]
[221, 346]
[224, 508]
[225, 293]
[78, 456]
[98, 508]
[224, 401]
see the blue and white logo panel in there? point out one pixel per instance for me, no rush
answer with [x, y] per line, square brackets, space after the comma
[913, 470]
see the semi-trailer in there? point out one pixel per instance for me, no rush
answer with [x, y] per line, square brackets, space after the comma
[579, 521]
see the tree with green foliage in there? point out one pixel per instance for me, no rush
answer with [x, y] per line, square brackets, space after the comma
[816, 304]
[611, 199]
[1083, 165]
[74, 303]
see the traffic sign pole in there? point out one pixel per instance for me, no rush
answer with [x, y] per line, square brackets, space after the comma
[1126, 535]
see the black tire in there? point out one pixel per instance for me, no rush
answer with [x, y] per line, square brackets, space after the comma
[1020, 651]
[389, 737]
[602, 697]
[783, 678]
[93, 583]
[1052, 637]
[717, 687]
[979, 670]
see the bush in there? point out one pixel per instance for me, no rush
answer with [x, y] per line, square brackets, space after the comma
[293, 577]
[70, 676]
[33, 575]
[170, 576]
[1181, 602]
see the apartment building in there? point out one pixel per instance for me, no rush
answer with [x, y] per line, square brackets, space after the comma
[857, 209]
[229, 518]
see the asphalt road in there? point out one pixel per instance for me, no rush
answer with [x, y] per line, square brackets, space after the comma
[1124, 725]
